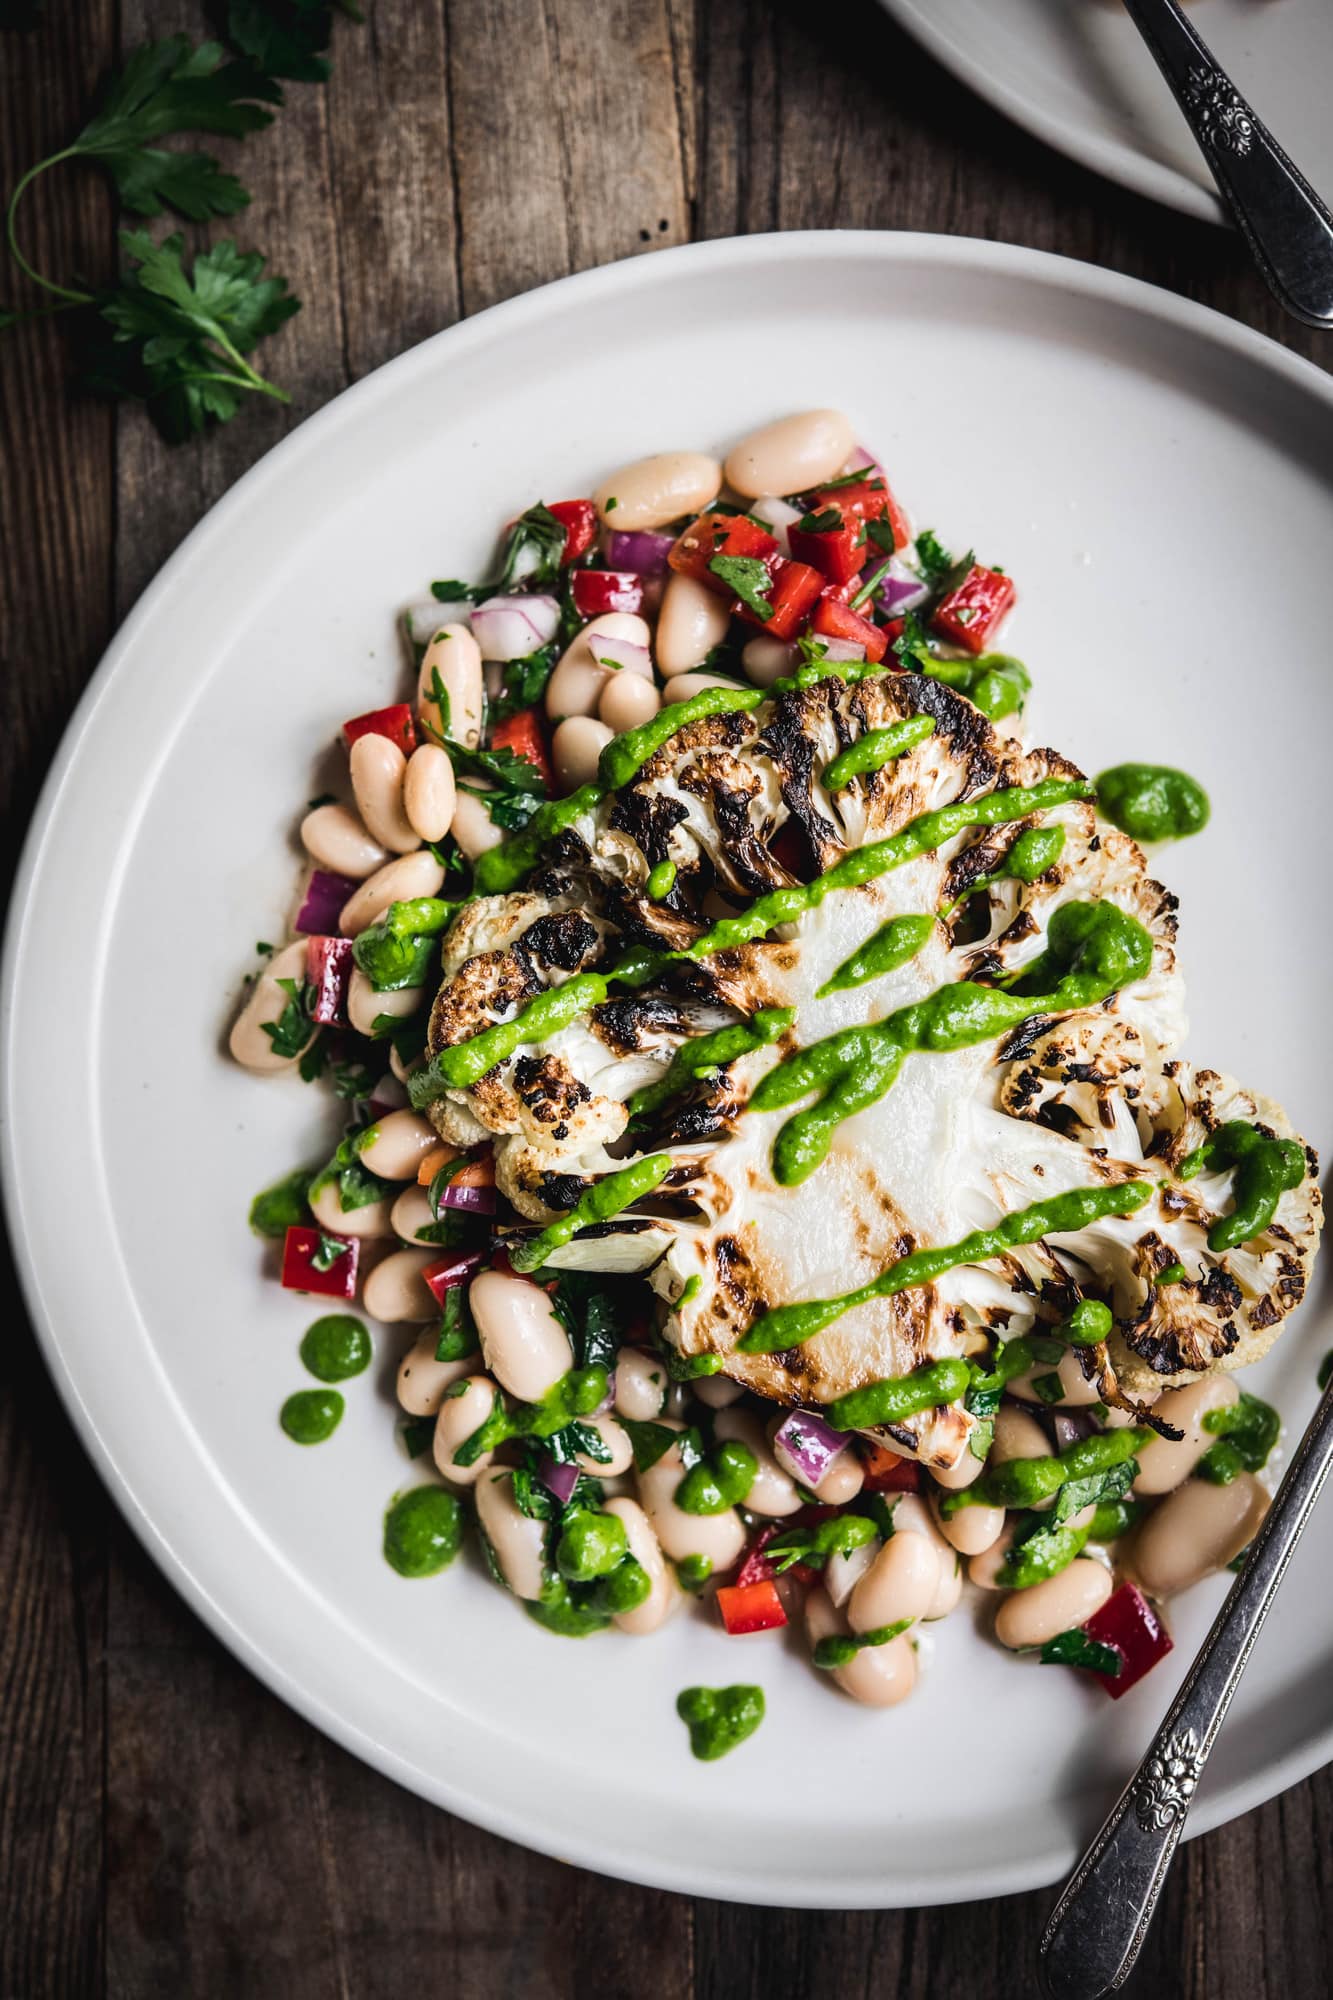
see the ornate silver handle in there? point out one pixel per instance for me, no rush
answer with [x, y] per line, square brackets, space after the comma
[1288, 228]
[1098, 1925]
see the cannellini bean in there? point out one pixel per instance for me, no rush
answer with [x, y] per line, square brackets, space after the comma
[459, 1417]
[395, 1289]
[984, 1570]
[879, 1676]
[628, 701]
[517, 1543]
[845, 1568]
[456, 656]
[767, 660]
[684, 686]
[716, 1391]
[576, 686]
[912, 1516]
[378, 768]
[1031, 1617]
[418, 874]
[1198, 1528]
[772, 1491]
[473, 828]
[1163, 1465]
[666, 1594]
[365, 1004]
[334, 837]
[1076, 1391]
[410, 1213]
[247, 1041]
[972, 1529]
[654, 491]
[616, 1440]
[1018, 1435]
[720, 1537]
[691, 622]
[403, 1070]
[429, 792]
[422, 1380]
[525, 1345]
[368, 1221]
[843, 1480]
[577, 744]
[641, 1385]
[900, 1583]
[954, 1477]
[791, 455]
[401, 1142]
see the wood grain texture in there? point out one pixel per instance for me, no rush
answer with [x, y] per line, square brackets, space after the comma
[167, 1826]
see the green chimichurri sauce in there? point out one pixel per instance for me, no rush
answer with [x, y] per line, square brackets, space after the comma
[612, 1193]
[423, 1531]
[312, 1415]
[1152, 801]
[875, 749]
[702, 1053]
[661, 881]
[892, 945]
[1265, 1169]
[788, 1326]
[719, 1718]
[336, 1347]
[626, 754]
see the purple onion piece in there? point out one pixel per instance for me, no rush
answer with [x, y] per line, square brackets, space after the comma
[557, 1479]
[324, 899]
[841, 649]
[475, 1200]
[610, 1396]
[859, 459]
[1070, 1427]
[509, 628]
[807, 1446]
[644, 552]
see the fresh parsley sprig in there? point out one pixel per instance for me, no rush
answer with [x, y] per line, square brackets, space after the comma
[286, 37]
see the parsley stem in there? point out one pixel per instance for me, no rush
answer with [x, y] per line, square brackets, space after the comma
[249, 380]
[71, 297]
[869, 588]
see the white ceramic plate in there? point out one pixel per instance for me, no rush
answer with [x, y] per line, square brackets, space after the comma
[1156, 478]
[1077, 74]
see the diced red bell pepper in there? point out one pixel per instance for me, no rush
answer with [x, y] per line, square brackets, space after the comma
[792, 589]
[750, 1607]
[871, 501]
[300, 1273]
[791, 850]
[715, 534]
[838, 552]
[455, 1269]
[887, 1472]
[328, 968]
[834, 620]
[600, 590]
[970, 614]
[1128, 1622]
[894, 630]
[578, 518]
[525, 735]
[396, 723]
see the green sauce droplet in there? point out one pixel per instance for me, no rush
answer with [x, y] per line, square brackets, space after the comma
[336, 1347]
[661, 881]
[312, 1415]
[719, 1718]
[1152, 801]
[423, 1531]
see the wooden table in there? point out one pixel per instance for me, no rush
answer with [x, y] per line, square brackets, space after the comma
[168, 1828]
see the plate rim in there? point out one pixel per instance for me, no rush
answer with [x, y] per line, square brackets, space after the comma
[1114, 159]
[970, 256]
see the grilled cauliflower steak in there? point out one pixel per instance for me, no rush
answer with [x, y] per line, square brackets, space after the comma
[811, 1193]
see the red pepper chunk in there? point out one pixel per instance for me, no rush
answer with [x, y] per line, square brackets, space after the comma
[887, 1472]
[838, 553]
[525, 735]
[715, 534]
[599, 590]
[300, 1273]
[835, 620]
[1128, 1622]
[328, 968]
[871, 501]
[396, 723]
[792, 588]
[750, 1607]
[443, 1275]
[578, 518]
[970, 614]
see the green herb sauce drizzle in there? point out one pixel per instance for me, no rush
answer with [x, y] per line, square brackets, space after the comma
[1265, 1169]
[875, 749]
[611, 1194]
[703, 1053]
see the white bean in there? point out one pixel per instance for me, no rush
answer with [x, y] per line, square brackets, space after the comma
[844, 1569]
[411, 875]
[717, 1391]
[790, 456]
[666, 1594]
[684, 686]
[576, 746]
[900, 1583]
[719, 1537]
[691, 622]
[843, 1480]
[767, 660]
[654, 491]
[395, 1289]
[334, 837]
[879, 1676]
[422, 1380]
[1017, 1435]
[473, 828]
[984, 1569]
[1030, 1617]
[517, 1543]
[401, 1142]
[365, 1003]
[525, 1345]
[628, 701]
[912, 1516]
[1198, 1528]
[378, 768]
[429, 793]
[617, 1442]
[455, 655]
[1163, 1465]
[576, 686]
[247, 1041]
[368, 1221]
[1076, 1391]
[772, 1491]
[410, 1213]
[954, 1477]
[460, 1416]
[641, 1385]
[971, 1529]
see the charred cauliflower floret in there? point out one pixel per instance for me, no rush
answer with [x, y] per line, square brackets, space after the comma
[775, 1198]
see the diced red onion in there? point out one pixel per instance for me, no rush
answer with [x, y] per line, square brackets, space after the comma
[472, 1200]
[610, 1396]
[390, 1095]
[1070, 1427]
[328, 969]
[902, 590]
[779, 515]
[424, 620]
[643, 551]
[509, 628]
[447, 1272]
[860, 459]
[807, 1446]
[557, 1479]
[839, 649]
[625, 655]
[324, 898]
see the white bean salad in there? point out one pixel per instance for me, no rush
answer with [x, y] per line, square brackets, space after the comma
[548, 958]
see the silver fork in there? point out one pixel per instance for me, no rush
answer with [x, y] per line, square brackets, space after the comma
[1288, 228]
